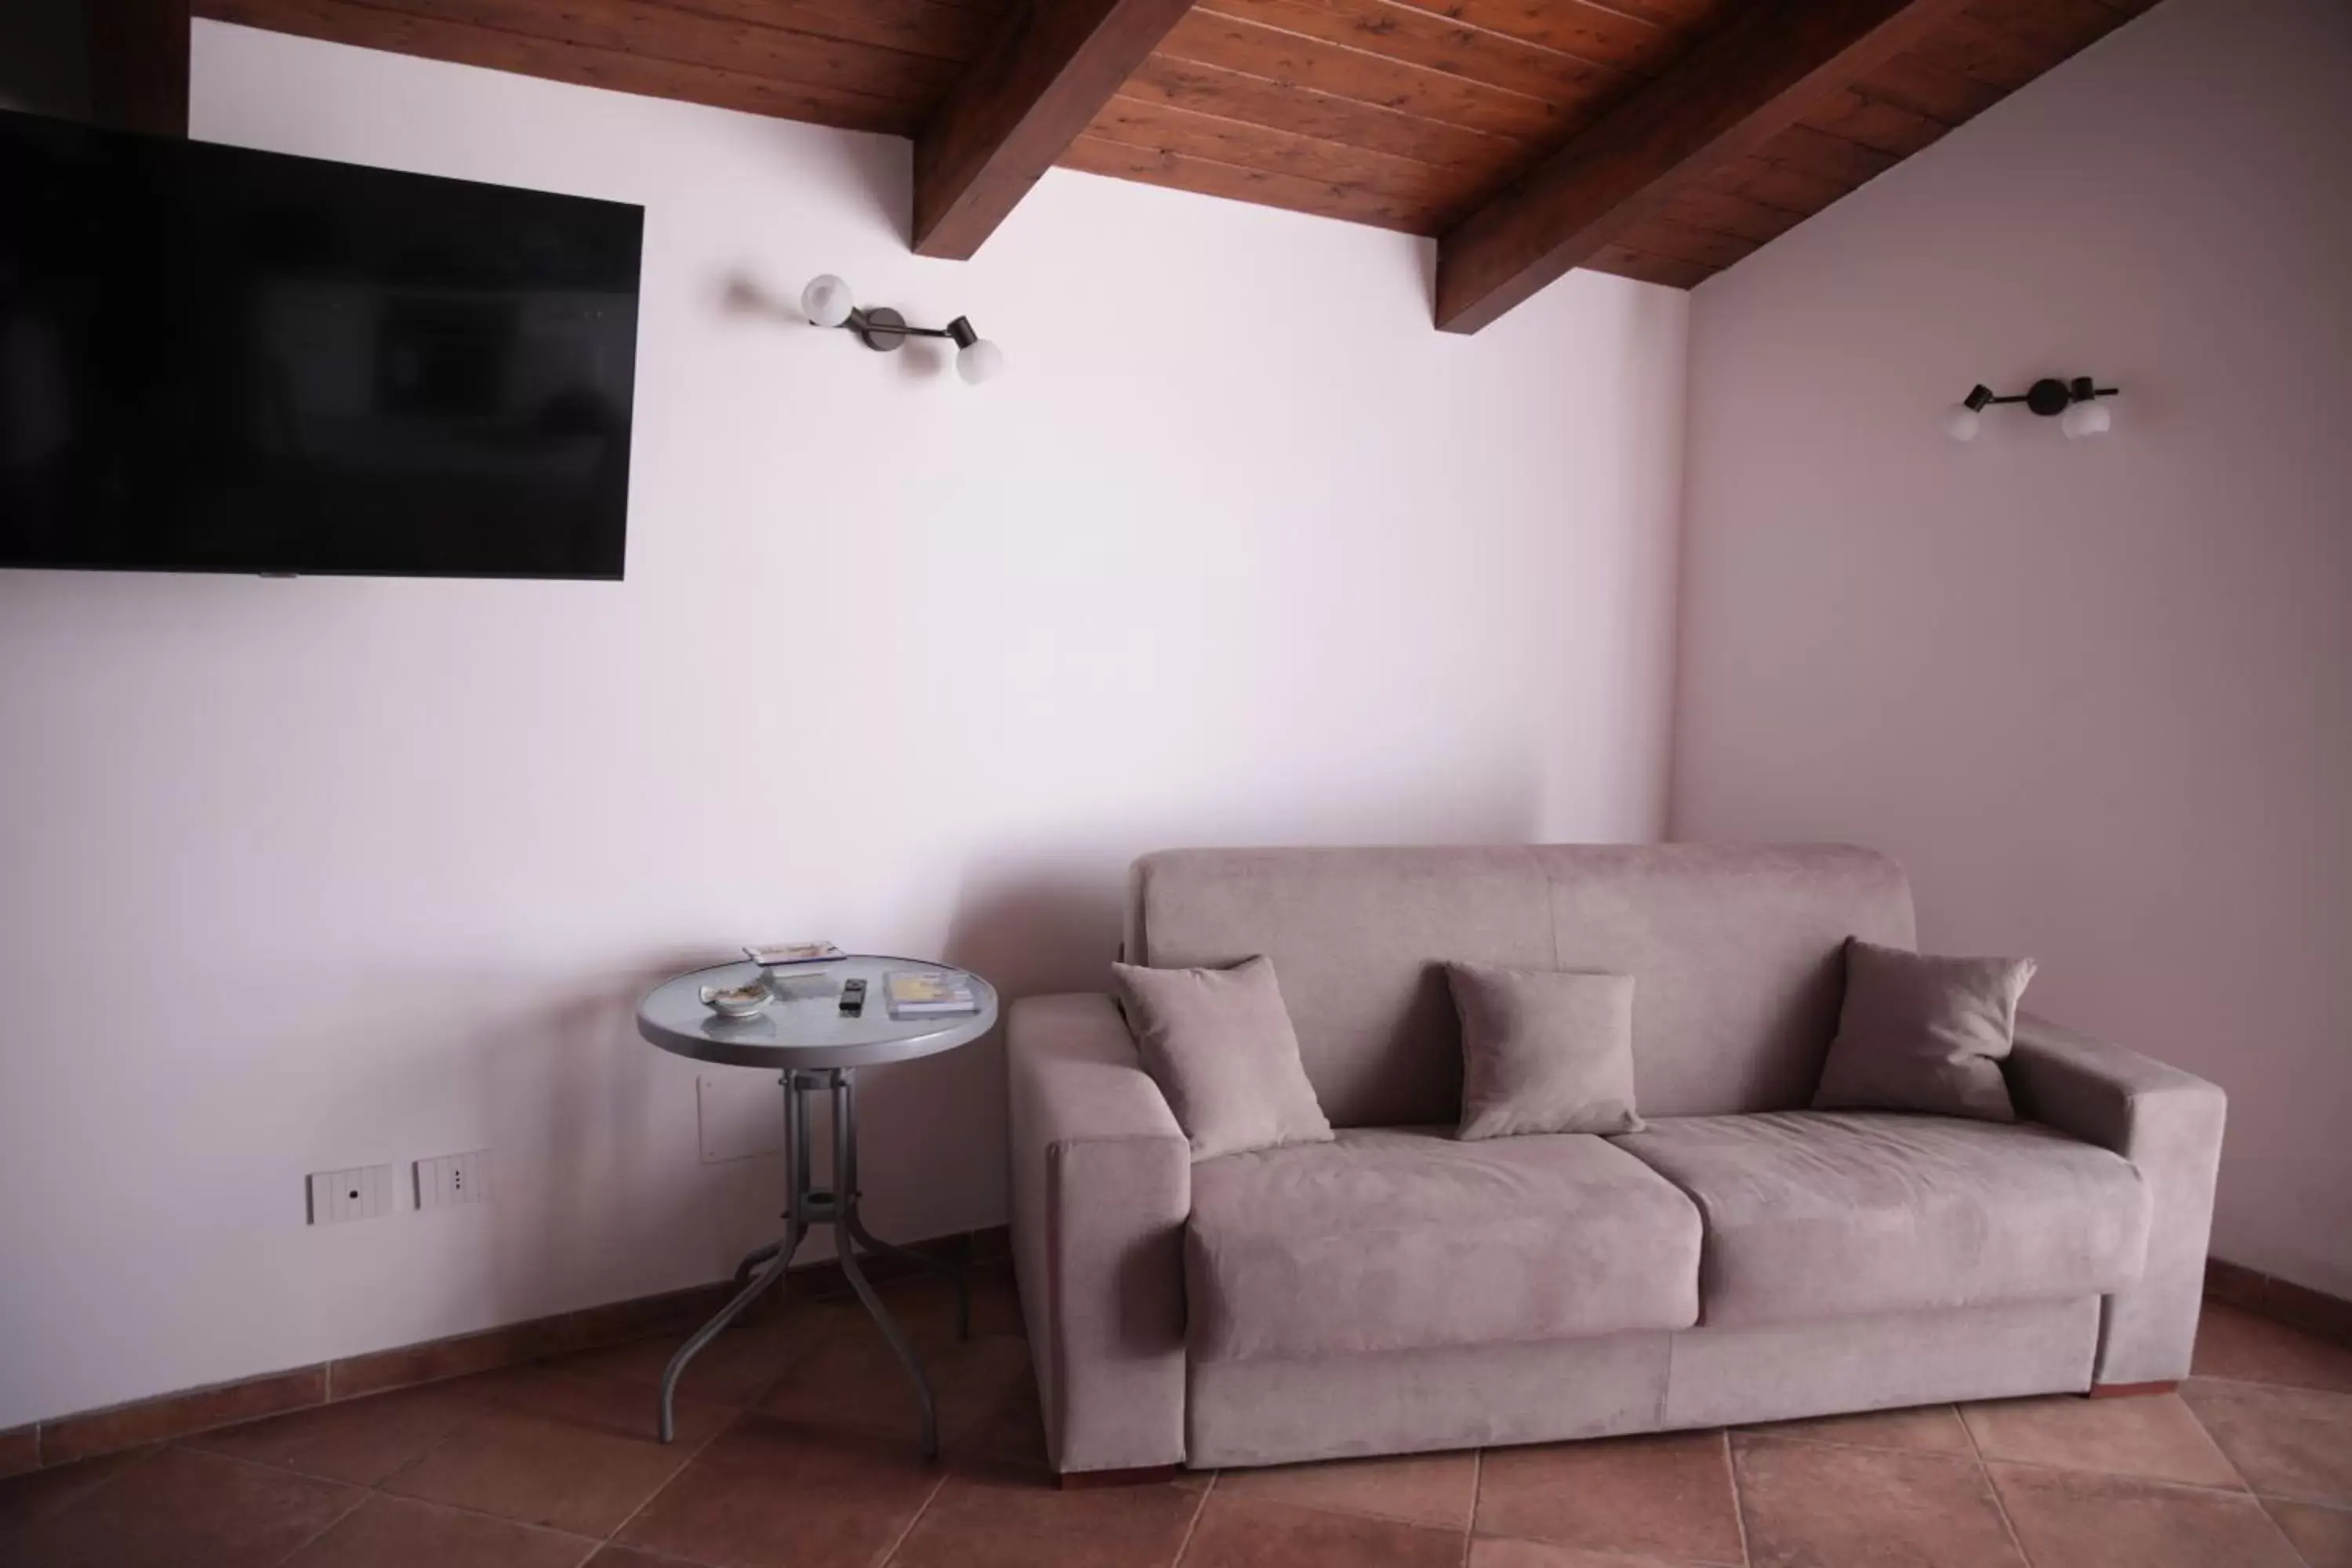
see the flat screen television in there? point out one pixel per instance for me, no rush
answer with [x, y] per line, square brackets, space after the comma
[218, 360]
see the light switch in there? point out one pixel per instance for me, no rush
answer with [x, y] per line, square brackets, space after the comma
[363, 1191]
[451, 1179]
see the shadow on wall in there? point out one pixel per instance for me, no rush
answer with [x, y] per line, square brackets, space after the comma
[1038, 933]
[1050, 919]
[597, 1175]
[935, 1156]
[600, 1191]
[741, 294]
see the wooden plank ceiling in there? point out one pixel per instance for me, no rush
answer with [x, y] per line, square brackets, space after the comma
[1411, 115]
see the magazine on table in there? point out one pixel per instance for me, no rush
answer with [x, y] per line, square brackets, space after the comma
[929, 994]
[790, 954]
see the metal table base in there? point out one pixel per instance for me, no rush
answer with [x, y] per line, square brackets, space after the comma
[835, 1206]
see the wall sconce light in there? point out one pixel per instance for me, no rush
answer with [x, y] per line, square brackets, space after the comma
[826, 302]
[2075, 402]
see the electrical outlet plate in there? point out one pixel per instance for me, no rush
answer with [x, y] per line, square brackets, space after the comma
[364, 1191]
[452, 1179]
[740, 1115]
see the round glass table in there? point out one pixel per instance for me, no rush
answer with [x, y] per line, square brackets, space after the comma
[801, 1033]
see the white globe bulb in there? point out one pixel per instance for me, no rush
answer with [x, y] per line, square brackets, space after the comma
[1961, 422]
[2088, 417]
[827, 300]
[980, 361]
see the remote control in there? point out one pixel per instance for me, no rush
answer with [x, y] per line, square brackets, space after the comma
[853, 998]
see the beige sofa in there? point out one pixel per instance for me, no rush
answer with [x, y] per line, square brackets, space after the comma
[1743, 1260]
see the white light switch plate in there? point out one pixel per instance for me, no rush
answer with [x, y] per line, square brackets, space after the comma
[363, 1191]
[452, 1179]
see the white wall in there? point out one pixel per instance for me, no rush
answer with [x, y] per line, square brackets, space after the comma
[1241, 550]
[2097, 696]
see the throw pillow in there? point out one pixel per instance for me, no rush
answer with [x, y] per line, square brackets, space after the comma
[1919, 1032]
[1219, 1044]
[1544, 1051]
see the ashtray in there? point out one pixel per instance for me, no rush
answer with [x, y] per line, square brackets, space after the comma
[736, 1001]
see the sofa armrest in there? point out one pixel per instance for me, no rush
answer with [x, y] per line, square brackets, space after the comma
[1102, 1184]
[2167, 1124]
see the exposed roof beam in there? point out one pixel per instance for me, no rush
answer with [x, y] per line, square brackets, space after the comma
[1019, 107]
[1753, 77]
[139, 64]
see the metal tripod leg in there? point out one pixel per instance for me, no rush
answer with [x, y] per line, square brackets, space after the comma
[837, 1207]
[777, 1255]
[844, 1188]
[855, 1225]
[710, 1331]
[752, 1261]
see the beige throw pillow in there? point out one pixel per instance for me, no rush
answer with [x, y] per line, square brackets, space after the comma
[1919, 1032]
[1219, 1044]
[1544, 1051]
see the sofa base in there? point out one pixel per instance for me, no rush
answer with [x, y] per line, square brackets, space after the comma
[1241, 1414]
[2127, 1390]
[1141, 1476]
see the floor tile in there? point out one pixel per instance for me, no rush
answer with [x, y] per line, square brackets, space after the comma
[20, 1450]
[766, 1495]
[1421, 1488]
[2235, 1343]
[623, 1409]
[2286, 1442]
[636, 1557]
[484, 1465]
[1830, 1507]
[1015, 1433]
[994, 1518]
[1257, 1532]
[563, 1452]
[153, 1420]
[1669, 1495]
[183, 1509]
[29, 1498]
[1498, 1551]
[739, 1366]
[2077, 1520]
[1929, 1429]
[393, 1532]
[2323, 1535]
[925, 1306]
[854, 1381]
[360, 1440]
[2152, 1435]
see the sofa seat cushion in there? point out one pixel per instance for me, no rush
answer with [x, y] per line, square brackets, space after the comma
[1837, 1213]
[1396, 1239]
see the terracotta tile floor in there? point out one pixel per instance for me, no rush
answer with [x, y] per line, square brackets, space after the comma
[794, 1451]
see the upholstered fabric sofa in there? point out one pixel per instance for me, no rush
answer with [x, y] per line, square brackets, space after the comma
[1744, 1258]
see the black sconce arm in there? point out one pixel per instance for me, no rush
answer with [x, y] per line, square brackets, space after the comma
[884, 323]
[826, 302]
[2048, 395]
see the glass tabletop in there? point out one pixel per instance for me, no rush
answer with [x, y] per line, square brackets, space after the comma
[801, 1025]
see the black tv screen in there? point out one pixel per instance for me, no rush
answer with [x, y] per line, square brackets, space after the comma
[217, 359]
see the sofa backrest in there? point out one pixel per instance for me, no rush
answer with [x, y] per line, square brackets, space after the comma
[1736, 954]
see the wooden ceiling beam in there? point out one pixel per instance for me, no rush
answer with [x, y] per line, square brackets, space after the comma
[139, 64]
[1048, 73]
[1768, 66]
